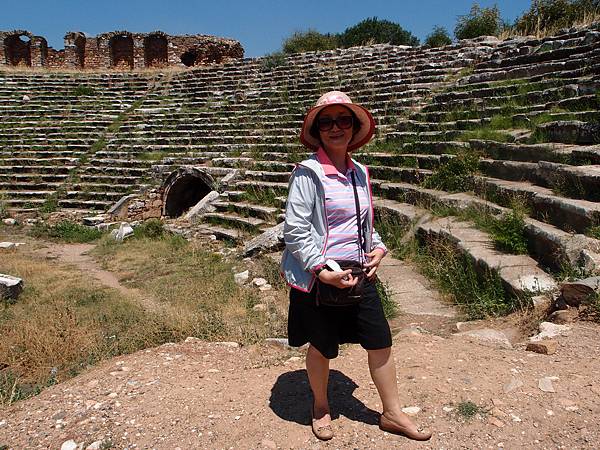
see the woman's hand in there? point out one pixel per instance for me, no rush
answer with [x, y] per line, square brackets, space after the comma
[340, 280]
[375, 258]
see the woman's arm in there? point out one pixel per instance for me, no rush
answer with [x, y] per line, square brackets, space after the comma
[301, 201]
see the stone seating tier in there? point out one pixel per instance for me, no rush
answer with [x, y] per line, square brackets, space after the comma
[429, 104]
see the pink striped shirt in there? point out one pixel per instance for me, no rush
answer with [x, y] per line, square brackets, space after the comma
[341, 209]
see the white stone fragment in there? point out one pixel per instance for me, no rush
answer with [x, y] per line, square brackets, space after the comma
[259, 282]
[411, 410]
[545, 385]
[242, 277]
[549, 330]
[69, 445]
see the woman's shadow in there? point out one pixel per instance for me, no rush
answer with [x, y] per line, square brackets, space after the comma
[291, 398]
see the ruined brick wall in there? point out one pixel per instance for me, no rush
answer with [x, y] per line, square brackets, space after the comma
[55, 58]
[16, 47]
[118, 50]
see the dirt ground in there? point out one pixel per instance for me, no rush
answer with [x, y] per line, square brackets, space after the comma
[201, 395]
[208, 395]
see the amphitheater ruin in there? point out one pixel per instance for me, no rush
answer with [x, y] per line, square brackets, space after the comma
[120, 50]
[139, 144]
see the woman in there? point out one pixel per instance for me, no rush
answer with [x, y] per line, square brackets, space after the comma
[321, 225]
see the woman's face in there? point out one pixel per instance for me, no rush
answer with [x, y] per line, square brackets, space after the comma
[335, 138]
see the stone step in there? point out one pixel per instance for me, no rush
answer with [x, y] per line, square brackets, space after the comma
[224, 234]
[581, 182]
[28, 184]
[233, 220]
[549, 245]
[524, 152]
[246, 209]
[571, 132]
[399, 174]
[520, 274]
[275, 177]
[565, 213]
[87, 205]
[280, 188]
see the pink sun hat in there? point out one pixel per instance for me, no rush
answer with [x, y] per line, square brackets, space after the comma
[360, 138]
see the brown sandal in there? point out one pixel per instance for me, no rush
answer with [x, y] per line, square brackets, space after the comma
[386, 424]
[324, 433]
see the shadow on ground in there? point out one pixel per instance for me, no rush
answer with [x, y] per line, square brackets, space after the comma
[291, 398]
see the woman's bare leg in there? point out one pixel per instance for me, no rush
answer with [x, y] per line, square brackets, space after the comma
[317, 367]
[383, 372]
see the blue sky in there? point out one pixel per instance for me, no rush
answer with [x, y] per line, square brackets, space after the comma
[260, 25]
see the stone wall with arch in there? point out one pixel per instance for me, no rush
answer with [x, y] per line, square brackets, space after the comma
[117, 50]
[20, 48]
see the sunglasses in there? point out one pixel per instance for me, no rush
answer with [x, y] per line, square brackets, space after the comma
[343, 123]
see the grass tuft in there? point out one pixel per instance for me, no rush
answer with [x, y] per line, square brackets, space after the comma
[456, 175]
[65, 231]
[467, 410]
[390, 308]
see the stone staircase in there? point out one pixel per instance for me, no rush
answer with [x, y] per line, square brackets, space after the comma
[526, 109]
[50, 125]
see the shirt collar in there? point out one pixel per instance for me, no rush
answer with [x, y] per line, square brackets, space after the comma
[328, 166]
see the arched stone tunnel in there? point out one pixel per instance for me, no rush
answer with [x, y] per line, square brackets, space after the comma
[184, 188]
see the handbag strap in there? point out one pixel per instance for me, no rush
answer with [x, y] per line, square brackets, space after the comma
[358, 221]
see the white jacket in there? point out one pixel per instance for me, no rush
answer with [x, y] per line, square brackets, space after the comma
[305, 230]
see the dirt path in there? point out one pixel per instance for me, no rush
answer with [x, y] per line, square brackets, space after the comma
[77, 255]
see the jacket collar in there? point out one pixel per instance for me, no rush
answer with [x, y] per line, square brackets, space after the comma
[328, 166]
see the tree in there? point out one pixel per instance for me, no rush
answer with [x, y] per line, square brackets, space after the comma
[438, 37]
[307, 41]
[479, 22]
[550, 15]
[376, 31]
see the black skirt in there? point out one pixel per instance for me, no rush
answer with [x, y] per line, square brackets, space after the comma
[326, 327]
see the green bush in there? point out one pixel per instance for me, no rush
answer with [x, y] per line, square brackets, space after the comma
[83, 90]
[438, 37]
[65, 231]
[151, 229]
[550, 15]
[308, 41]
[456, 175]
[377, 31]
[479, 22]
[273, 60]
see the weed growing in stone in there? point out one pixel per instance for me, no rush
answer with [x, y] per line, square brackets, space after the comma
[100, 144]
[480, 294]
[3, 208]
[390, 308]
[262, 196]
[508, 232]
[81, 91]
[456, 175]
[593, 232]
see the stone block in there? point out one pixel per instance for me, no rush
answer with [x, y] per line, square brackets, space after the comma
[576, 292]
[545, 347]
[203, 206]
[10, 287]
